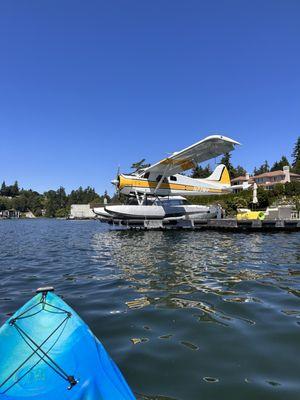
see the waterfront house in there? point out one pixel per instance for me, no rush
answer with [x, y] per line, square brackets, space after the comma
[10, 214]
[267, 180]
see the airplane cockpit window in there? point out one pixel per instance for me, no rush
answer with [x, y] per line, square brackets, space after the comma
[146, 175]
[173, 178]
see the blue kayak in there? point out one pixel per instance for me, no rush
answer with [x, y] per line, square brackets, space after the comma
[47, 352]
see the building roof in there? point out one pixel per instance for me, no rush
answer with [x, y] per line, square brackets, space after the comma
[269, 174]
[240, 178]
[264, 175]
[274, 173]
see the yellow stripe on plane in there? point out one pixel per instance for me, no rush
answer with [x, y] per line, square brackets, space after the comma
[139, 183]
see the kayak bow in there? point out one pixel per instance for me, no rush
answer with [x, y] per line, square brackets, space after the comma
[48, 352]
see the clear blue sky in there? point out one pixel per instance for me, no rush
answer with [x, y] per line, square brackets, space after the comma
[86, 86]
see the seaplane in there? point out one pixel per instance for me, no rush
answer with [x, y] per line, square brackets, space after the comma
[155, 192]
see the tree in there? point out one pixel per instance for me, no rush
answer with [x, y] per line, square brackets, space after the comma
[20, 203]
[226, 161]
[200, 172]
[5, 204]
[296, 157]
[139, 165]
[278, 165]
[3, 189]
[55, 200]
[239, 171]
[61, 213]
[262, 169]
[83, 196]
[9, 191]
[15, 189]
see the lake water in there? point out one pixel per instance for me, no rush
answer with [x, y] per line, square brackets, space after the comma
[216, 315]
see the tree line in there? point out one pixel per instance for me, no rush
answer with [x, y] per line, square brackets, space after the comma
[234, 172]
[53, 203]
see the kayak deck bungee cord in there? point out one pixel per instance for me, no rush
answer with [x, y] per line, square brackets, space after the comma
[48, 352]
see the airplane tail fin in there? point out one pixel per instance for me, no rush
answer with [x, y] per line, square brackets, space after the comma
[220, 175]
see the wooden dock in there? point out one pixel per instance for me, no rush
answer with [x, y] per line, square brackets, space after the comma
[227, 225]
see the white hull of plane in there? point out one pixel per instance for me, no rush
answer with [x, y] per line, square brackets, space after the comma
[162, 208]
[158, 212]
[100, 211]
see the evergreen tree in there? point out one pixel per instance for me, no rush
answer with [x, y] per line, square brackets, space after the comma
[61, 197]
[83, 196]
[200, 172]
[239, 171]
[296, 157]
[3, 189]
[262, 169]
[14, 189]
[226, 161]
[278, 165]
[9, 191]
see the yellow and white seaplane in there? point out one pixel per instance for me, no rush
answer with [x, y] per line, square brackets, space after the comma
[155, 191]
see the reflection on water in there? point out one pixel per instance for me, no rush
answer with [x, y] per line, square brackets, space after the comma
[187, 315]
[221, 278]
[185, 263]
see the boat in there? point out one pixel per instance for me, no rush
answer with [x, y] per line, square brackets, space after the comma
[158, 208]
[47, 352]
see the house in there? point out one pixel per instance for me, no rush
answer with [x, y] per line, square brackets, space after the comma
[10, 214]
[81, 211]
[267, 180]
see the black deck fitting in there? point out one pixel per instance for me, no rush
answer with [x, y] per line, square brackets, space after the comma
[72, 381]
[45, 289]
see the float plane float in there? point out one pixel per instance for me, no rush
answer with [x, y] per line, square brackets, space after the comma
[155, 191]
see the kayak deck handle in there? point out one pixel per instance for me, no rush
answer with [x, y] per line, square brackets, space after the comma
[45, 289]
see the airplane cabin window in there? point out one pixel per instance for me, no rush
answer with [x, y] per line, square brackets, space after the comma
[173, 178]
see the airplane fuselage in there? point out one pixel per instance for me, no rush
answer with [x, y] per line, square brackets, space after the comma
[171, 186]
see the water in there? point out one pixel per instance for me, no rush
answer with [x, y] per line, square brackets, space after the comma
[215, 315]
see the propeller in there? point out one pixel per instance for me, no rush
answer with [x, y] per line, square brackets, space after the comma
[116, 182]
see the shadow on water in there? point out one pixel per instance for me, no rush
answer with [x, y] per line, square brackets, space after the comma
[187, 315]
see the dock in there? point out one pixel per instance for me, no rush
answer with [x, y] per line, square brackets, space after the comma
[226, 224]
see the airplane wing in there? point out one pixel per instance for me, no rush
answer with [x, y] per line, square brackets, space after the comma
[210, 147]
